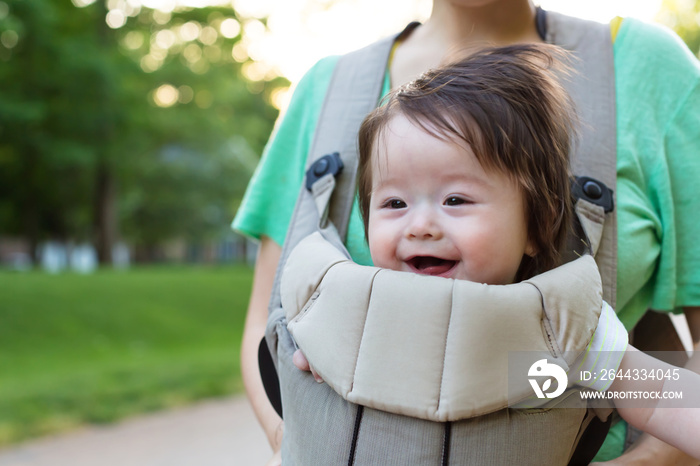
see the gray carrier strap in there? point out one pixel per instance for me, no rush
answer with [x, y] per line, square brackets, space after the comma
[592, 88]
[353, 92]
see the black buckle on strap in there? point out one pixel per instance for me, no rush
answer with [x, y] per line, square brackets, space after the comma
[330, 163]
[593, 191]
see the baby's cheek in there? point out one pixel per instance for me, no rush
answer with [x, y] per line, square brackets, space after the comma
[382, 249]
[378, 253]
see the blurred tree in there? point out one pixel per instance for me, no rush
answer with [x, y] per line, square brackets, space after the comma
[130, 122]
[683, 16]
[207, 123]
[42, 149]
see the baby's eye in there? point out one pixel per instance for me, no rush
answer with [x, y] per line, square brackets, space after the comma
[455, 200]
[394, 204]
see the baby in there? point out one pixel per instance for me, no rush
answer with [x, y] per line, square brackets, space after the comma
[464, 174]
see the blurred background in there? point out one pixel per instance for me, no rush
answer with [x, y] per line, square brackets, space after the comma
[128, 132]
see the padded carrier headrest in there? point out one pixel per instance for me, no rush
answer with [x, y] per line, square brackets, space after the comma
[405, 343]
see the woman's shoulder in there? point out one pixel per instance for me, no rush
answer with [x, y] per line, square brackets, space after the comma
[655, 72]
[316, 78]
[321, 70]
[656, 48]
[299, 117]
[309, 91]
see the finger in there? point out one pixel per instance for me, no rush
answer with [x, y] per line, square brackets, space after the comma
[276, 460]
[300, 361]
[316, 376]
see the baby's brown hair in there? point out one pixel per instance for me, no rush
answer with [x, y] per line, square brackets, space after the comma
[508, 105]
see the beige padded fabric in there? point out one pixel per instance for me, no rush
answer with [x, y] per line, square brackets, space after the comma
[425, 330]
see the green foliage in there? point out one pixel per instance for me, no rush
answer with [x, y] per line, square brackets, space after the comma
[84, 106]
[683, 16]
[78, 349]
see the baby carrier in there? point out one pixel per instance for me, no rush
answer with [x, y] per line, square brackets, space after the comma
[322, 427]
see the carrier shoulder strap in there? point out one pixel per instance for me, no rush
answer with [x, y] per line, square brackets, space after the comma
[353, 92]
[592, 88]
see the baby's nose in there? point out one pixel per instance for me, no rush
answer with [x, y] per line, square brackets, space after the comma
[424, 226]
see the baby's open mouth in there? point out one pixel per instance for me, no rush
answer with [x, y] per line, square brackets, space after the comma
[429, 265]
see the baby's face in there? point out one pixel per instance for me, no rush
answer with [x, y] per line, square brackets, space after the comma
[434, 210]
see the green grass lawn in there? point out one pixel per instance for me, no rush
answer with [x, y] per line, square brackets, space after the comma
[78, 349]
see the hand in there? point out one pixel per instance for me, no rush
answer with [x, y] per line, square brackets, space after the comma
[650, 451]
[302, 364]
[276, 459]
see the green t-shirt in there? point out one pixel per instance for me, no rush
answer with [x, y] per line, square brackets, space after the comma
[658, 164]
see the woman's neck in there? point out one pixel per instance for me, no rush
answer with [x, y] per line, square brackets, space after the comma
[453, 27]
[497, 22]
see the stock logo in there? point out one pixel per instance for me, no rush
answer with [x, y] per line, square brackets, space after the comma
[541, 369]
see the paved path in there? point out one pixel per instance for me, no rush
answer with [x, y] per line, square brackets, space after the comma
[211, 433]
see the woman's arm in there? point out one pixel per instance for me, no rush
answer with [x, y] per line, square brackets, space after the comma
[648, 450]
[676, 422]
[253, 332]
